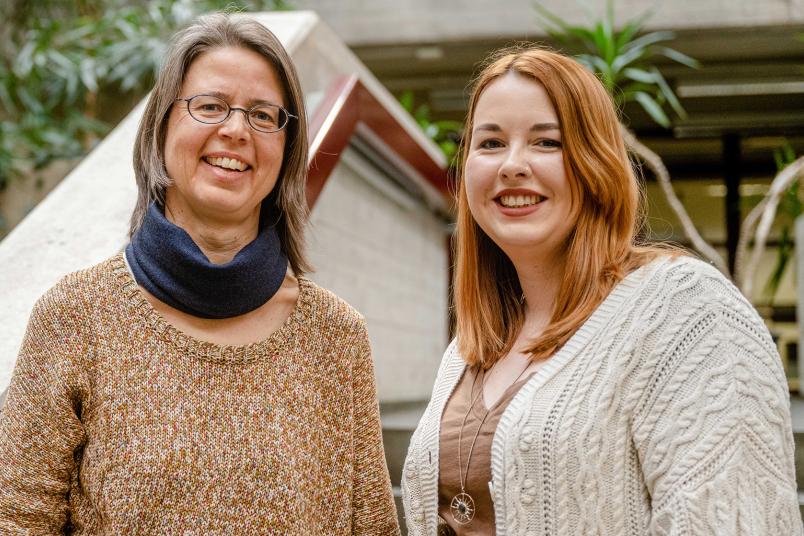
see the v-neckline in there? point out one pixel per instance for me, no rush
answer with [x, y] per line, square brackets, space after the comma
[503, 396]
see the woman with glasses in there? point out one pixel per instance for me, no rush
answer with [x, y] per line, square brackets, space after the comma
[199, 383]
[597, 385]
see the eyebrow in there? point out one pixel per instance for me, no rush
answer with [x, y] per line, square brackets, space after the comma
[537, 127]
[251, 103]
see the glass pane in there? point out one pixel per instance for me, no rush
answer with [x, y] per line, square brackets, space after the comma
[208, 108]
[267, 117]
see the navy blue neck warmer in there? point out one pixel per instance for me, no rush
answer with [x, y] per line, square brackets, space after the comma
[168, 264]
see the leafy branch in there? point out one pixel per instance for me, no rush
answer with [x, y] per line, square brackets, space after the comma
[60, 61]
[445, 133]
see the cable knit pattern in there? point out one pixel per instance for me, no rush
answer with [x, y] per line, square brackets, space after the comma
[117, 423]
[667, 413]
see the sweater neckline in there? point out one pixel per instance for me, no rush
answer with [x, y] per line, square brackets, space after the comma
[281, 339]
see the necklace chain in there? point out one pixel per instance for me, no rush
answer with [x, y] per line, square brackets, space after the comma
[463, 502]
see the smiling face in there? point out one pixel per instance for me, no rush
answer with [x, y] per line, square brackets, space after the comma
[516, 184]
[221, 173]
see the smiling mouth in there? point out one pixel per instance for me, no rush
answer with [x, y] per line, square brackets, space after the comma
[518, 201]
[231, 164]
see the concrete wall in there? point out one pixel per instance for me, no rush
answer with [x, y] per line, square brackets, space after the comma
[386, 255]
[420, 21]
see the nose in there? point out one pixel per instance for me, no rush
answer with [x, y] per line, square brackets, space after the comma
[515, 165]
[235, 126]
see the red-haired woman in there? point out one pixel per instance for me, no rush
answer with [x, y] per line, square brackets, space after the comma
[595, 386]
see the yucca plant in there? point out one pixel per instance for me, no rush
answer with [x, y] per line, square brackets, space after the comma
[624, 60]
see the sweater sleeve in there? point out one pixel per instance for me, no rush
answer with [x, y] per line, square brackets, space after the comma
[713, 431]
[40, 429]
[373, 509]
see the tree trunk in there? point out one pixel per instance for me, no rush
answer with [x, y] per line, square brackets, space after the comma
[655, 164]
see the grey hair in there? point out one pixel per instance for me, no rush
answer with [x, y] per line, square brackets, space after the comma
[288, 196]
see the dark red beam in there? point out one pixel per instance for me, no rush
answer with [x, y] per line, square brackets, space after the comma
[348, 102]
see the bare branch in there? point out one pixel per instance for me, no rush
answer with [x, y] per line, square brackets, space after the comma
[654, 162]
[765, 212]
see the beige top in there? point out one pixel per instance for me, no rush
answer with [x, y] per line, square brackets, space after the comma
[479, 467]
[118, 423]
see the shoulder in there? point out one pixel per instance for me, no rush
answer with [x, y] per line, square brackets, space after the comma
[698, 322]
[451, 358]
[709, 384]
[449, 371]
[63, 323]
[323, 308]
[689, 285]
[78, 293]
[682, 268]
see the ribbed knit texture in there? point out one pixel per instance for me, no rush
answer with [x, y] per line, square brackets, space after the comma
[117, 423]
[667, 413]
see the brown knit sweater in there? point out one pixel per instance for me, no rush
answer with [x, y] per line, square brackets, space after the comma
[117, 423]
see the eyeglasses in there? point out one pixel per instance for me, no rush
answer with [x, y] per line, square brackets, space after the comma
[211, 110]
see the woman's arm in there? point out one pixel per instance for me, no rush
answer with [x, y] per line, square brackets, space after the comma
[40, 429]
[373, 509]
[713, 431]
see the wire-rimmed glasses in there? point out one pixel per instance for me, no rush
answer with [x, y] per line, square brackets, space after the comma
[211, 110]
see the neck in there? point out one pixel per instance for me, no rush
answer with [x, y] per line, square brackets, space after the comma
[219, 241]
[540, 279]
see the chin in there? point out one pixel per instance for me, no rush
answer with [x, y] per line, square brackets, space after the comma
[225, 207]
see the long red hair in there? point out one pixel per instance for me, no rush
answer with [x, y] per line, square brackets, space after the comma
[600, 250]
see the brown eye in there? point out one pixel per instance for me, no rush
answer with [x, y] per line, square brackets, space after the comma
[550, 144]
[268, 117]
[490, 144]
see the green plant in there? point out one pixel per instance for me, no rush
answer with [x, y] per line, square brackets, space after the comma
[445, 133]
[624, 59]
[60, 60]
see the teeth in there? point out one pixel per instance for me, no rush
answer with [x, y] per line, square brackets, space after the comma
[227, 163]
[514, 201]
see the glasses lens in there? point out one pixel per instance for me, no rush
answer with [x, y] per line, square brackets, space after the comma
[268, 118]
[208, 109]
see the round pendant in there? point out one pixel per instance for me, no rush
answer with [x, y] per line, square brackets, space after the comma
[462, 508]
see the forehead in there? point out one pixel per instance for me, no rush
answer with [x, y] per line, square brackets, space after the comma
[513, 96]
[238, 73]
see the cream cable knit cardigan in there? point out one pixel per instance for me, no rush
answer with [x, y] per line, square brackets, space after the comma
[667, 413]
